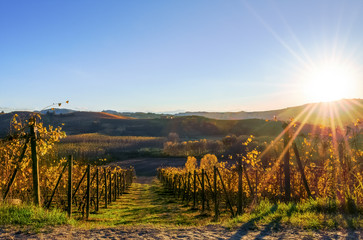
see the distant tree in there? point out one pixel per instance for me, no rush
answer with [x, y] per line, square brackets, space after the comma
[228, 141]
[208, 162]
[173, 137]
[191, 164]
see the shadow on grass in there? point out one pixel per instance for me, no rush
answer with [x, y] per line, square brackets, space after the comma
[351, 233]
[251, 224]
[274, 225]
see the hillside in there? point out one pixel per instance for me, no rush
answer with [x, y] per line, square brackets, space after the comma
[346, 111]
[74, 122]
[198, 124]
[187, 127]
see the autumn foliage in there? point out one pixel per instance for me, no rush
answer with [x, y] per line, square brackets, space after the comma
[332, 162]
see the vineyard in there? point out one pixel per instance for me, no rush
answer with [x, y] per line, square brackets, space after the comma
[33, 174]
[325, 167]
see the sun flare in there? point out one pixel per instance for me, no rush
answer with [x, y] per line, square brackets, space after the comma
[330, 81]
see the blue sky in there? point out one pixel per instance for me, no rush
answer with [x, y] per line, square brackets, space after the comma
[171, 55]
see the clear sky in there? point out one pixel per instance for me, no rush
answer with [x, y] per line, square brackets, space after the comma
[143, 55]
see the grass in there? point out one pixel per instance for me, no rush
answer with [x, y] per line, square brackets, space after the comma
[31, 216]
[310, 214]
[148, 205]
[152, 205]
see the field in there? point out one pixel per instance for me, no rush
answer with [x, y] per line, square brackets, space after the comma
[150, 212]
[94, 146]
[198, 186]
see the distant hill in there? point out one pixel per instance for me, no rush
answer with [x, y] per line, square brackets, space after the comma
[57, 111]
[139, 115]
[186, 127]
[346, 111]
[197, 124]
[75, 122]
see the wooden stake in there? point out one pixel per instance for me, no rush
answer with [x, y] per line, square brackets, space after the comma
[287, 163]
[35, 164]
[106, 196]
[296, 151]
[56, 186]
[203, 192]
[115, 186]
[195, 189]
[97, 189]
[225, 192]
[88, 198]
[239, 203]
[215, 195]
[70, 165]
[110, 186]
[12, 179]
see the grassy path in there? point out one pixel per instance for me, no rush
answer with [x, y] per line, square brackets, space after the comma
[147, 211]
[148, 204]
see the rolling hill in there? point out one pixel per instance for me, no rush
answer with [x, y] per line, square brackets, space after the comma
[198, 124]
[186, 127]
[346, 111]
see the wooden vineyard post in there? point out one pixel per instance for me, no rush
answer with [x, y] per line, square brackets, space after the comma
[97, 190]
[12, 179]
[195, 189]
[88, 198]
[56, 186]
[35, 164]
[118, 183]
[179, 185]
[174, 184]
[184, 186]
[115, 187]
[239, 203]
[188, 188]
[306, 185]
[124, 182]
[131, 174]
[106, 196]
[215, 195]
[247, 179]
[110, 187]
[287, 163]
[16, 169]
[70, 165]
[256, 185]
[121, 182]
[80, 182]
[203, 192]
[225, 192]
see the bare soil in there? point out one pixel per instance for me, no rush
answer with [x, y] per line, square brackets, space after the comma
[209, 232]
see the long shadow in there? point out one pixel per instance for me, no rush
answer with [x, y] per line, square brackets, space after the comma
[274, 225]
[243, 230]
[351, 233]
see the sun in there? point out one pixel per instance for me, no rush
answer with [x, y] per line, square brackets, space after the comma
[330, 81]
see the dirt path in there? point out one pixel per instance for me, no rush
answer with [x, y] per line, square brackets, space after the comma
[138, 214]
[208, 232]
